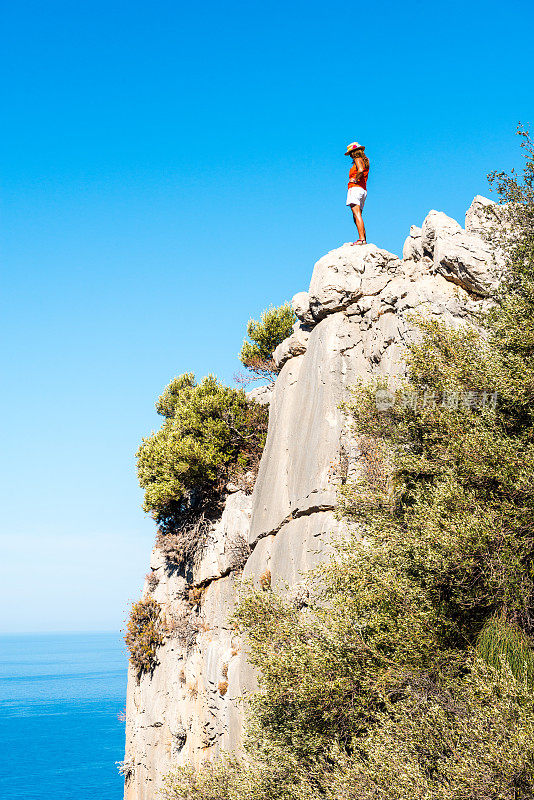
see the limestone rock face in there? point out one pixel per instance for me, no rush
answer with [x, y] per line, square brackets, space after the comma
[219, 554]
[353, 322]
[189, 706]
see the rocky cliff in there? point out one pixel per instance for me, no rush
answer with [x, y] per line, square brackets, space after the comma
[353, 322]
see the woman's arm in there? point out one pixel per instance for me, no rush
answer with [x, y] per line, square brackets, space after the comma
[360, 166]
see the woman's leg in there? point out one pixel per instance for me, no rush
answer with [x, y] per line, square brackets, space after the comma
[358, 220]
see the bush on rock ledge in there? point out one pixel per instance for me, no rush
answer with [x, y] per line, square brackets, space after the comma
[211, 434]
[265, 334]
[144, 634]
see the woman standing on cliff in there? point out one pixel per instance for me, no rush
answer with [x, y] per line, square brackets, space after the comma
[358, 186]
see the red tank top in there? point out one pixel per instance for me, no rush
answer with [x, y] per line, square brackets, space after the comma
[362, 180]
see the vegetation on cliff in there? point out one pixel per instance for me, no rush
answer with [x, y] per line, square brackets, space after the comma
[265, 334]
[144, 634]
[211, 434]
[409, 673]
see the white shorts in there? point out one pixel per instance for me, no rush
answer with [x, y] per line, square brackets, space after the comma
[356, 196]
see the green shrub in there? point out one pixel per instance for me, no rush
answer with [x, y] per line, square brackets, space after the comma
[505, 646]
[210, 433]
[144, 634]
[477, 745]
[211, 783]
[265, 334]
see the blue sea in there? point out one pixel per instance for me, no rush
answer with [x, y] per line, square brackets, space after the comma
[60, 735]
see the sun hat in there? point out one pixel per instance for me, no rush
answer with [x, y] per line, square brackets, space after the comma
[354, 146]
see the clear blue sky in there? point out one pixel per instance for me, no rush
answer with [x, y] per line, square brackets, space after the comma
[169, 169]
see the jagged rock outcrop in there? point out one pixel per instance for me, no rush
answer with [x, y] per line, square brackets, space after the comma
[353, 322]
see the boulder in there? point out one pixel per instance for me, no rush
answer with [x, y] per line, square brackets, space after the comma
[463, 258]
[294, 345]
[344, 275]
[301, 307]
[413, 249]
[261, 394]
[482, 215]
